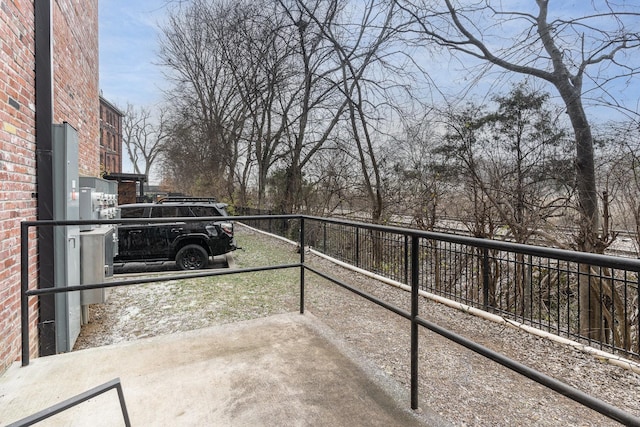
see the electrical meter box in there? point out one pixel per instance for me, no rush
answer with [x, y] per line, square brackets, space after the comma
[96, 265]
[98, 200]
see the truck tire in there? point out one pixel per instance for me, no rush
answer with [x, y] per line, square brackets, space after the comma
[192, 257]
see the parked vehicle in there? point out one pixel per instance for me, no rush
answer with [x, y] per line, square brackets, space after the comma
[189, 244]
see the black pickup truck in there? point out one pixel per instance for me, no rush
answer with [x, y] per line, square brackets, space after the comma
[189, 243]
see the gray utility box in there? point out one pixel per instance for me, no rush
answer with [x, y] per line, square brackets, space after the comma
[66, 238]
[96, 265]
[98, 200]
[100, 185]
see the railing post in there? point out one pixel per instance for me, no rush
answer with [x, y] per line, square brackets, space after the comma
[301, 265]
[406, 259]
[324, 238]
[415, 272]
[357, 247]
[24, 287]
[123, 404]
[485, 278]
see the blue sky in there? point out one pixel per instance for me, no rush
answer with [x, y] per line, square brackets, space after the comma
[128, 47]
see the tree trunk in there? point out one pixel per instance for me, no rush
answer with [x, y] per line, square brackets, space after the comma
[585, 174]
[590, 310]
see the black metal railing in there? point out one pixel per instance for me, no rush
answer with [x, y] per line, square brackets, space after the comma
[76, 400]
[271, 221]
[506, 278]
[589, 298]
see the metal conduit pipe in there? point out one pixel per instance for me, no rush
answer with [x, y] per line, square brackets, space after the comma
[43, 12]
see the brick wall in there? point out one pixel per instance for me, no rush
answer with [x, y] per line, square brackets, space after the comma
[17, 162]
[76, 101]
[75, 70]
[110, 137]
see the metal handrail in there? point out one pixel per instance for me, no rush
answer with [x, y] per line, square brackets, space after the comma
[545, 380]
[562, 254]
[578, 257]
[74, 401]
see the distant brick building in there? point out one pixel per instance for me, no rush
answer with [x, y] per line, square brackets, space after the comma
[30, 101]
[110, 137]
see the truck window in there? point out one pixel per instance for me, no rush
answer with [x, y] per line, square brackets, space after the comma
[204, 211]
[132, 212]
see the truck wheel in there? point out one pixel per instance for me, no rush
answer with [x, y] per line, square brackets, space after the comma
[192, 257]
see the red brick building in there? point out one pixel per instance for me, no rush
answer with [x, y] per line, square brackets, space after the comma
[48, 74]
[110, 137]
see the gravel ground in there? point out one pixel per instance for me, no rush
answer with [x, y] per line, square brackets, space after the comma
[462, 387]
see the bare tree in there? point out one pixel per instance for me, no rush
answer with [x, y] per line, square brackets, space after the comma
[187, 162]
[269, 83]
[356, 58]
[204, 95]
[620, 171]
[421, 179]
[526, 146]
[462, 147]
[595, 47]
[632, 189]
[560, 52]
[314, 107]
[259, 53]
[144, 137]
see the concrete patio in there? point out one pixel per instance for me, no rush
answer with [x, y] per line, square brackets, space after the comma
[282, 370]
